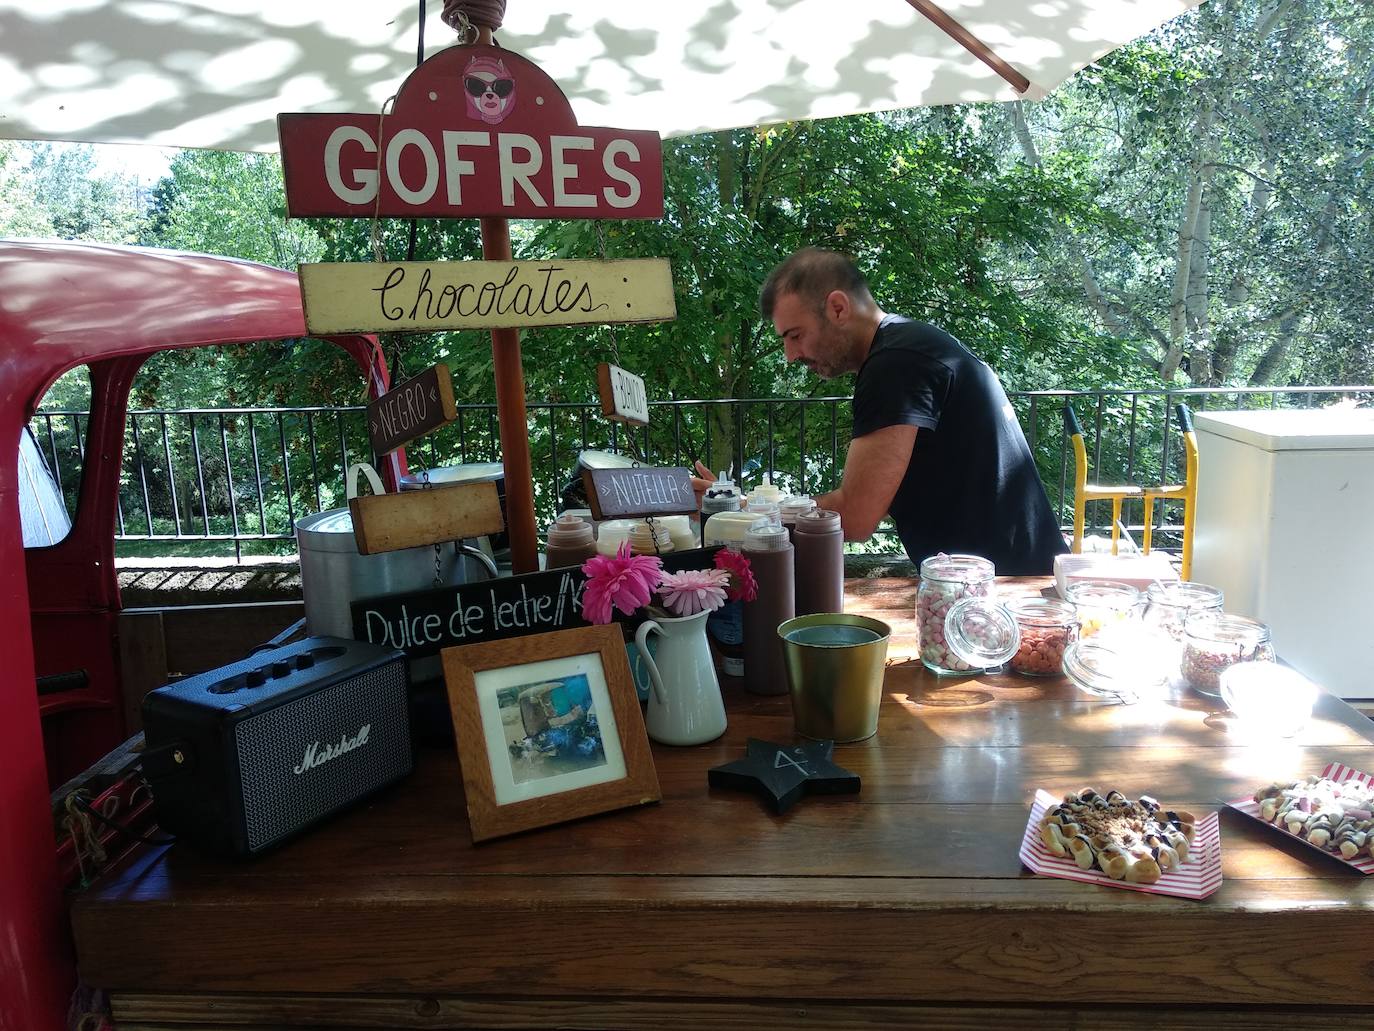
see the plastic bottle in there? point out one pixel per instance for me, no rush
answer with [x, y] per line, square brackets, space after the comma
[611, 534]
[570, 542]
[819, 541]
[721, 496]
[766, 492]
[648, 538]
[725, 626]
[791, 507]
[770, 555]
[681, 531]
[764, 507]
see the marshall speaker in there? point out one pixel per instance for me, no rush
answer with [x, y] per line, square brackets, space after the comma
[244, 756]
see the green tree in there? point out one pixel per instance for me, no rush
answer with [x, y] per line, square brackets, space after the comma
[55, 191]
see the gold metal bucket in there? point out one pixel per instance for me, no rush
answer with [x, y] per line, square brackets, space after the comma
[835, 663]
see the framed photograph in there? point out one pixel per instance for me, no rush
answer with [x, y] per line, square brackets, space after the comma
[548, 729]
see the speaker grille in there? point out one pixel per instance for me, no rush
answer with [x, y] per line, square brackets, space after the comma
[278, 801]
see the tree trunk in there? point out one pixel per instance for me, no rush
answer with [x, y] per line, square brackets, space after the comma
[1196, 302]
[1092, 289]
[1187, 234]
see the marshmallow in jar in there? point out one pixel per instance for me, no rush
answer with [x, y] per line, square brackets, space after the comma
[961, 628]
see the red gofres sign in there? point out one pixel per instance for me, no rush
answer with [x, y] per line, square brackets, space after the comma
[475, 131]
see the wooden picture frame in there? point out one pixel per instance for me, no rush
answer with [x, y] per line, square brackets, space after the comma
[548, 729]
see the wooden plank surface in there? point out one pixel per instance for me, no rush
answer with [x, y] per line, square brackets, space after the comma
[418, 518]
[141, 1012]
[910, 891]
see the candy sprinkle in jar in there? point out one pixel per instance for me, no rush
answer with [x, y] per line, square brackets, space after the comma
[1101, 603]
[1216, 641]
[1048, 627]
[947, 580]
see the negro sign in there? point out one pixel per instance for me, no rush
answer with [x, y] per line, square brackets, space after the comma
[419, 405]
[475, 131]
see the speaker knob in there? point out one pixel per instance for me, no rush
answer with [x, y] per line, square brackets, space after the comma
[255, 678]
[281, 668]
[305, 660]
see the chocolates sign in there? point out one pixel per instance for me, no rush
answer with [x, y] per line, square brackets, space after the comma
[416, 296]
[475, 131]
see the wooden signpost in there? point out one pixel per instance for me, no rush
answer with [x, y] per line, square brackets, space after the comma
[623, 398]
[419, 405]
[638, 491]
[415, 296]
[475, 131]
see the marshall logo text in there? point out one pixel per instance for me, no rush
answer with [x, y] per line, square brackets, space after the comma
[314, 756]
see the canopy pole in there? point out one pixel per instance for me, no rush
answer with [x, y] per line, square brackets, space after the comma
[971, 43]
[510, 404]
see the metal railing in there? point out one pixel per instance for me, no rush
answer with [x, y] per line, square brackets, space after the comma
[227, 478]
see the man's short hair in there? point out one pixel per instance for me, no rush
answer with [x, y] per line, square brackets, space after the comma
[812, 273]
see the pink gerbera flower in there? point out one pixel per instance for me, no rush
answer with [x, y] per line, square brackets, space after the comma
[743, 586]
[693, 591]
[625, 581]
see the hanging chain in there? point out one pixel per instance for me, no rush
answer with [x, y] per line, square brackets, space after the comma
[610, 326]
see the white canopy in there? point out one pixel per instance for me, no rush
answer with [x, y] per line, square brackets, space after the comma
[215, 73]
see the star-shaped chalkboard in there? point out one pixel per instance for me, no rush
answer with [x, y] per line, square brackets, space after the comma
[783, 773]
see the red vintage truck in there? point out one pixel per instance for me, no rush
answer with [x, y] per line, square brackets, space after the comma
[63, 305]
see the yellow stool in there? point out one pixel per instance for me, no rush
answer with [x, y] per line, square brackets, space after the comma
[1185, 492]
[1083, 491]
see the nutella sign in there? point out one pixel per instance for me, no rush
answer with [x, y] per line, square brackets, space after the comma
[475, 131]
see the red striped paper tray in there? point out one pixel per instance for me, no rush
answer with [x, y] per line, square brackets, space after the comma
[1196, 878]
[1338, 772]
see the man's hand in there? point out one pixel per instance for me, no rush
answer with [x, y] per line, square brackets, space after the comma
[702, 482]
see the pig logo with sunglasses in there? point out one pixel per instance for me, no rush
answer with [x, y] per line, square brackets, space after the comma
[489, 89]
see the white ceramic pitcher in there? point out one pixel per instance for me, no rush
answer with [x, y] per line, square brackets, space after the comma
[685, 706]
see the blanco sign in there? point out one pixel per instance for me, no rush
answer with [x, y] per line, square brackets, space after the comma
[622, 395]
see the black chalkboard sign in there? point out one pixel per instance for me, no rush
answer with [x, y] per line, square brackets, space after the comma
[638, 491]
[423, 622]
[419, 405]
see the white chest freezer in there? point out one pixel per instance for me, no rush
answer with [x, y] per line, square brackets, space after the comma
[1284, 520]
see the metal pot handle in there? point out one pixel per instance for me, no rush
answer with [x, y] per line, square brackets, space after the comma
[373, 480]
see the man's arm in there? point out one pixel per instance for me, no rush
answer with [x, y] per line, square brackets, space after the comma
[873, 471]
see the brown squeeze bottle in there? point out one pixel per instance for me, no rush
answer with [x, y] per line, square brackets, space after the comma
[790, 508]
[570, 542]
[770, 556]
[819, 541]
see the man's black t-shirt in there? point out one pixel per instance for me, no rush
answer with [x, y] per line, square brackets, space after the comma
[971, 486]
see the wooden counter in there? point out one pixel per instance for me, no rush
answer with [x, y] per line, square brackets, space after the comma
[904, 905]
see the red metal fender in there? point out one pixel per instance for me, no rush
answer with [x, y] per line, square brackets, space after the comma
[63, 305]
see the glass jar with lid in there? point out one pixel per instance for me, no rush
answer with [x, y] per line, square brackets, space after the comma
[1213, 642]
[1168, 605]
[1123, 661]
[1101, 603]
[1048, 626]
[960, 627]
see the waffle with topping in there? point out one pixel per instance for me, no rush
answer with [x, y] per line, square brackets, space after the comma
[1335, 816]
[1134, 841]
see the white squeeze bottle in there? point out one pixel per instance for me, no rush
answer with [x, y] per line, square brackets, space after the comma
[765, 492]
[721, 496]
